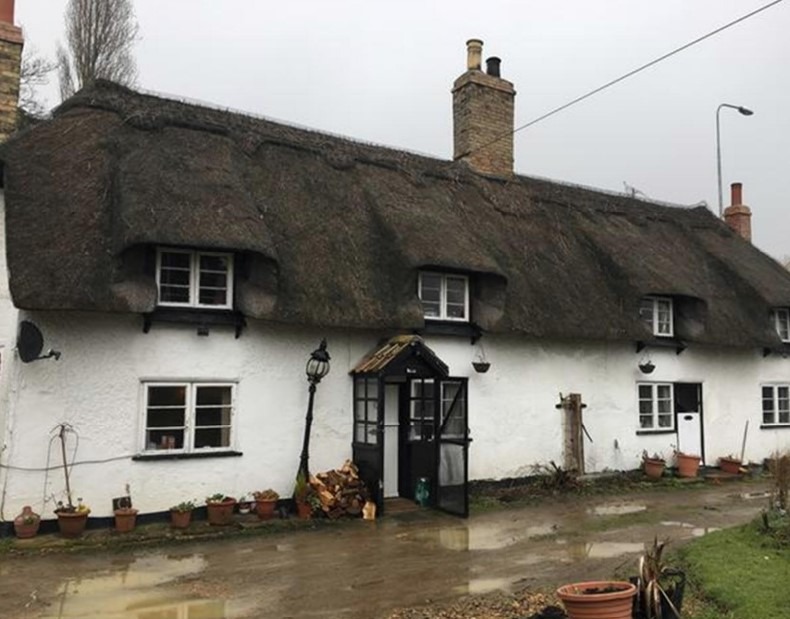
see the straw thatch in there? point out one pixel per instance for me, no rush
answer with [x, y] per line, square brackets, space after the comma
[333, 232]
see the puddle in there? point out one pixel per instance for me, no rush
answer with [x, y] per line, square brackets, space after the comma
[694, 529]
[131, 593]
[680, 525]
[750, 496]
[483, 585]
[477, 536]
[578, 551]
[702, 531]
[616, 509]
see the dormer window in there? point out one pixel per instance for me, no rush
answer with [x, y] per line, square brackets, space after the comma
[656, 313]
[444, 296]
[782, 322]
[200, 279]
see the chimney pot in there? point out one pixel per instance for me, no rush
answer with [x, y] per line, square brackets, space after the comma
[736, 193]
[474, 54]
[492, 66]
[7, 11]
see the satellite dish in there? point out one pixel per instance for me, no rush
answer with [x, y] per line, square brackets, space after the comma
[31, 343]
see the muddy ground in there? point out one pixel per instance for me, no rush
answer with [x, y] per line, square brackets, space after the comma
[364, 570]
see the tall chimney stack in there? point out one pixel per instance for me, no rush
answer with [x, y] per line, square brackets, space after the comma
[738, 216]
[10, 62]
[483, 115]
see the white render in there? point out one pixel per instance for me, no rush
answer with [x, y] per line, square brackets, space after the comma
[96, 387]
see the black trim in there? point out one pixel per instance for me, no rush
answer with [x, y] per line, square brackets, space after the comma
[203, 318]
[451, 327]
[648, 432]
[782, 350]
[664, 342]
[784, 426]
[187, 456]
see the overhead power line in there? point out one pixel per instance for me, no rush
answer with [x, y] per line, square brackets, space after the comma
[625, 76]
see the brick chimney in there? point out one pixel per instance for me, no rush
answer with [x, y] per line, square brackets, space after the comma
[10, 62]
[483, 115]
[739, 216]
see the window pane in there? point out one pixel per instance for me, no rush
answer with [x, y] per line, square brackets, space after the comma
[167, 396]
[782, 318]
[664, 406]
[373, 388]
[209, 296]
[372, 435]
[645, 407]
[165, 417]
[171, 294]
[783, 404]
[359, 433]
[664, 392]
[213, 396]
[212, 437]
[217, 264]
[768, 393]
[645, 392]
[176, 260]
[174, 277]
[645, 421]
[646, 312]
[456, 290]
[665, 421]
[164, 439]
[359, 410]
[430, 294]
[456, 311]
[212, 416]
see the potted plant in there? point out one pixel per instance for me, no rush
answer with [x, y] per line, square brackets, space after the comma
[653, 466]
[302, 493]
[730, 464]
[245, 505]
[72, 519]
[125, 519]
[659, 587]
[181, 514]
[688, 464]
[265, 502]
[26, 524]
[220, 509]
[603, 599]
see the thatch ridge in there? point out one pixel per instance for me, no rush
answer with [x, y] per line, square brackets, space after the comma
[332, 232]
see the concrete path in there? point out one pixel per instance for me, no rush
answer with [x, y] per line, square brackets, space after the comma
[364, 570]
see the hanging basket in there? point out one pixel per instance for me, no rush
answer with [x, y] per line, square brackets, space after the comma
[481, 367]
[647, 368]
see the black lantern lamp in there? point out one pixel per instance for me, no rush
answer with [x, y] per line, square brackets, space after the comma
[317, 367]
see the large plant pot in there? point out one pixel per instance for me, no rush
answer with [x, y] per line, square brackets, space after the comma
[654, 469]
[221, 514]
[688, 464]
[730, 465]
[304, 510]
[125, 519]
[72, 524]
[26, 524]
[603, 599]
[265, 509]
[180, 520]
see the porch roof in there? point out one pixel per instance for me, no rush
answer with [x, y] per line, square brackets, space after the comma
[389, 356]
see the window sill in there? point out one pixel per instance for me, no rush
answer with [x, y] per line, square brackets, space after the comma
[451, 327]
[143, 457]
[775, 426]
[649, 432]
[204, 319]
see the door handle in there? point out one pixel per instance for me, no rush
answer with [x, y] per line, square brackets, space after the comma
[688, 417]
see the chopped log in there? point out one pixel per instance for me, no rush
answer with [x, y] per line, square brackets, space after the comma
[340, 491]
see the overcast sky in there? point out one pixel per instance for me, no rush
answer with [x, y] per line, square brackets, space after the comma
[382, 71]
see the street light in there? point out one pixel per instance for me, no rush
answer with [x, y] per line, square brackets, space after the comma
[742, 110]
[317, 367]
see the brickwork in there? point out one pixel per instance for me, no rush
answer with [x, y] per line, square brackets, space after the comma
[483, 122]
[739, 218]
[10, 61]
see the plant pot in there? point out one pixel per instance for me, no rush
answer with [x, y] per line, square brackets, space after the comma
[304, 510]
[26, 524]
[654, 469]
[674, 591]
[180, 520]
[72, 524]
[265, 509]
[688, 464]
[605, 599]
[481, 367]
[125, 519]
[221, 513]
[730, 465]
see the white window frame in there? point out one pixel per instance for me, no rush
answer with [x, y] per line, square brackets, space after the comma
[782, 323]
[655, 427]
[774, 387]
[189, 417]
[194, 278]
[656, 302]
[443, 295]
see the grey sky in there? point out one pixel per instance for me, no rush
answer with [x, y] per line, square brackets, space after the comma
[382, 71]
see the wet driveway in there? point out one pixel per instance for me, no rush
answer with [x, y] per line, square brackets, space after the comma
[362, 570]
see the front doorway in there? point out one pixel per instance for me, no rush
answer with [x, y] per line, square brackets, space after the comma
[688, 419]
[410, 424]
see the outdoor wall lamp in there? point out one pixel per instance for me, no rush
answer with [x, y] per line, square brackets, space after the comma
[317, 367]
[745, 112]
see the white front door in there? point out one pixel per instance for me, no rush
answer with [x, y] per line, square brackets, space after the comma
[690, 433]
[391, 441]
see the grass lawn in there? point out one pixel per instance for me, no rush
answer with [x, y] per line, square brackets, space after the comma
[739, 573]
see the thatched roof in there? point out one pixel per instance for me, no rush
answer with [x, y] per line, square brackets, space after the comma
[333, 232]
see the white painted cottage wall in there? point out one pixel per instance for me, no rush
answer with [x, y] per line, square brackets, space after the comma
[96, 386]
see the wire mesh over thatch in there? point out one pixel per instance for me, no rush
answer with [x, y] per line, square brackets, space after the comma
[332, 232]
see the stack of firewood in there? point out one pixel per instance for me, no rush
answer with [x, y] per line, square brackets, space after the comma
[341, 491]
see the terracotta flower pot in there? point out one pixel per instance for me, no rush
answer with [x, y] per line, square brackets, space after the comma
[605, 599]
[688, 464]
[180, 520]
[730, 465]
[265, 509]
[221, 513]
[304, 510]
[654, 469]
[26, 524]
[72, 524]
[125, 519]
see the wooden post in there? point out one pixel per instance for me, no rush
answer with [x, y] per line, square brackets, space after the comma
[574, 439]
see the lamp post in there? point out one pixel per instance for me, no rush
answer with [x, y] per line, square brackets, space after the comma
[317, 367]
[741, 110]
